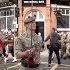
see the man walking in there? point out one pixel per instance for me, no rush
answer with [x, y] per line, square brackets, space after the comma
[54, 43]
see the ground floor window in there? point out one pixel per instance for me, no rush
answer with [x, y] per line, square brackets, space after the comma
[63, 16]
[63, 21]
[7, 23]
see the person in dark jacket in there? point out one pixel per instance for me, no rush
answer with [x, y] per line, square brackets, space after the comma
[54, 45]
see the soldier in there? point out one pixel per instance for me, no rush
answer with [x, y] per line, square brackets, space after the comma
[28, 47]
[1, 52]
[63, 44]
[10, 44]
[54, 45]
[2, 65]
[68, 45]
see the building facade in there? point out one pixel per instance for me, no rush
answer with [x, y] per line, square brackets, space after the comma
[8, 19]
[44, 11]
[45, 17]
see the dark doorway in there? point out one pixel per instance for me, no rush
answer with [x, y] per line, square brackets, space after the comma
[40, 28]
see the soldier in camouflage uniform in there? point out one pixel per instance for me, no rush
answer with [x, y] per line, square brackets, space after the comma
[1, 44]
[10, 46]
[63, 44]
[68, 45]
[28, 47]
[2, 64]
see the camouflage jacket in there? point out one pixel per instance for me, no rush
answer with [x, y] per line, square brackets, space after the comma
[24, 42]
[1, 55]
[63, 39]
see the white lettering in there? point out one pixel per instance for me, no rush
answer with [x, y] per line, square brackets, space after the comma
[34, 2]
[26, 1]
[41, 1]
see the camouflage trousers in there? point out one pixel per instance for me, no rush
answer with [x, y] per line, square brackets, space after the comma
[2, 65]
[25, 68]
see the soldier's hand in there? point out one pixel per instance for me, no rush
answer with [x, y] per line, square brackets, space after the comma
[26, 53]
[32, 50]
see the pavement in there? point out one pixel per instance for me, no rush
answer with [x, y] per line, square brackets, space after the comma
[65, 64]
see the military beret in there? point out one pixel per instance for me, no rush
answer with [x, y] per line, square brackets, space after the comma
[29, 19]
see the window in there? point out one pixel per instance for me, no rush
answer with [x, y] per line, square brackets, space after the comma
[10, 22]
[63, 20]
[40, 16]
[67, 11]
[63, 11]
[7, 12]
[3, 23]
[7, 17]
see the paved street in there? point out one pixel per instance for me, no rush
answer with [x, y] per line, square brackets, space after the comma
[65, 64]
[44, 65]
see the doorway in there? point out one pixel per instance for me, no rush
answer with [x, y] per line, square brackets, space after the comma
[40, 28]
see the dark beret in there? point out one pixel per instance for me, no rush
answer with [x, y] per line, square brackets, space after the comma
[29, 19]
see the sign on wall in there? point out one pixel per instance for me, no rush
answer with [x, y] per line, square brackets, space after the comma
[35, 2]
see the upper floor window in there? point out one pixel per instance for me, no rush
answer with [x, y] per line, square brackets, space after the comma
[63, 20]
[7, 12]
[64, 11]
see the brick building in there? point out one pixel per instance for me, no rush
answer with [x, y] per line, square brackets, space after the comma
[45, 17]
[44, 10]
[49, 14]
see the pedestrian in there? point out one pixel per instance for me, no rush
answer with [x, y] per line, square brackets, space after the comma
[10, 45]
[41, 40]
[28, 47]
[15, 38]
[40, 37]
[2, 41]
[2, 64]
[54, 45]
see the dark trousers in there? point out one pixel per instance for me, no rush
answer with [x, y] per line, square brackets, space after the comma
[11, 50]
[55, 48]
[4, 51]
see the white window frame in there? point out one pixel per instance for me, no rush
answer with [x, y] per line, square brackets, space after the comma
[66, 7]
[13, 6]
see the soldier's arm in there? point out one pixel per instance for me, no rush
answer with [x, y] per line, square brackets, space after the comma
[23, 54]
[19, 49]
[1, 51]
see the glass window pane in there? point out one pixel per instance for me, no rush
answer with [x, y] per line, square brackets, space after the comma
[12, 10]
[63, 22]
[4, 13]
[63, 11]
[7, 12]
[2, 23]
[10, 22]
[67, 11]
[40, 16]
